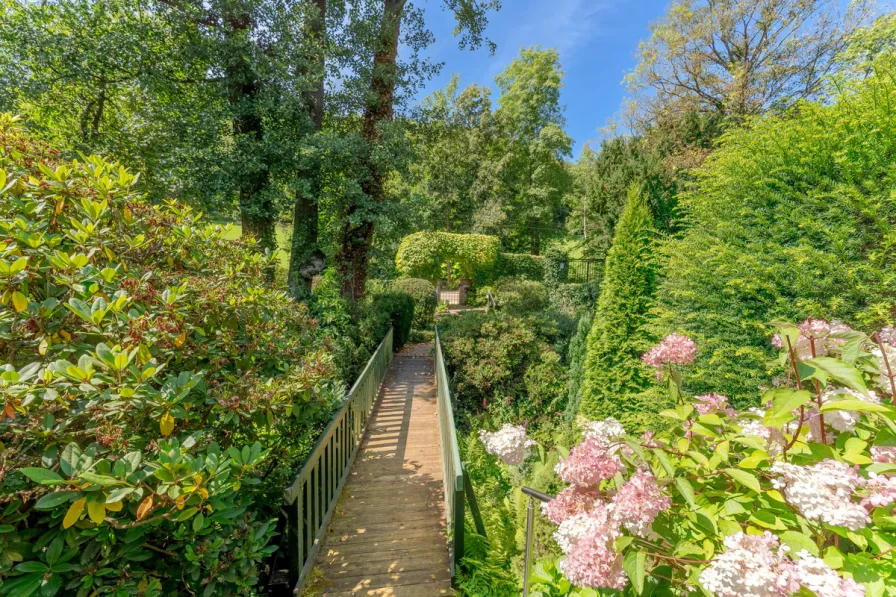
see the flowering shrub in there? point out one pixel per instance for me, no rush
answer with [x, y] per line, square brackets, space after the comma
[508, 443]
[793, 498]
[155, 395]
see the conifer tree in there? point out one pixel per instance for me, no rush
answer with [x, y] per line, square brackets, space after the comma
[615, 377]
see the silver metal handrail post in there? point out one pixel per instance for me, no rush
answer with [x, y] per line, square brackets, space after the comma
[530, 520]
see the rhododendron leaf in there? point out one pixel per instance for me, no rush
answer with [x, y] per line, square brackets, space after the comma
[96, 510]
[51, 500]
[744, 478]
[41, 475]
[841, 372]
[166, 424]
[634, 565]
[19, 301]
[799, 542]
[74, 513]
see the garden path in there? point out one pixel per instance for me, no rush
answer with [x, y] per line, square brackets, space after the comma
[387, 537]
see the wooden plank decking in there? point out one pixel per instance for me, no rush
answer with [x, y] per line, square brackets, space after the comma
[387, 536]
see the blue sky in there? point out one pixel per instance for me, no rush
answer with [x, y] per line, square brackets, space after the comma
[597, 40]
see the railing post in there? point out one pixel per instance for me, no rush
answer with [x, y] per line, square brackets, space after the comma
[530, 519]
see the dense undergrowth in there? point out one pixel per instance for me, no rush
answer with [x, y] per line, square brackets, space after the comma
[158, 394]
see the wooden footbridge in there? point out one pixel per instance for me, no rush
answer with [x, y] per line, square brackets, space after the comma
[378, 507]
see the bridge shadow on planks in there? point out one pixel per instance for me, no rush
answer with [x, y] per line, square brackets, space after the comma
[387, 537]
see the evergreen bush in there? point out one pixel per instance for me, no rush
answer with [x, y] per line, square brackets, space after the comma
[397, 308]
[615, 377]
[788, 218]
[424, 294]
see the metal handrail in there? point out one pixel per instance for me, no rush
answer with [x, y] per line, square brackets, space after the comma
[490, 300]
[452, 467]
[530, 516]
[310, 500]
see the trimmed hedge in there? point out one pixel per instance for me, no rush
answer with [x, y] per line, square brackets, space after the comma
[425, 302]
[423, 254]
[399, 308]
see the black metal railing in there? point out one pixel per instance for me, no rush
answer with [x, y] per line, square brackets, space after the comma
[530, 517]
[583, 270]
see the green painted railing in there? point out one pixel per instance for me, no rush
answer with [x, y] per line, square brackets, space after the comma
[457, 486]
[452, 467]
[310, 500]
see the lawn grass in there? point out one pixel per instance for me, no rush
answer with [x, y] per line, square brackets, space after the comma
[284, 234]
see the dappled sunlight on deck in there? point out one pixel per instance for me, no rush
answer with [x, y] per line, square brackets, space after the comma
[387, 536]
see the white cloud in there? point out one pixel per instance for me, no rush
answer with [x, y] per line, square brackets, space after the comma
[567, 25]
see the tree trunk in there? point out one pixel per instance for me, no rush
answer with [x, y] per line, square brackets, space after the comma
[306, 259]
[354, 250]
[256, 206]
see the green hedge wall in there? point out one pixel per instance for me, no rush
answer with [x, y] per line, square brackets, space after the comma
[423, 254]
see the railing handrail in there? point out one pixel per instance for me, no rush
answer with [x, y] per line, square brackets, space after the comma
[457, 485]
[452, 466]
[311, 498]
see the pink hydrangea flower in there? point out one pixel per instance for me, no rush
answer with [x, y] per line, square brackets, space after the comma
[675, 349]
[639, 501]
[714, 403]
[881, 491]
[815, 328]
[823, 491]
[887, 335]
[814, 574]
[570, 502]
[589, 463]
[591, 560]
[883, 453]
[751, 566]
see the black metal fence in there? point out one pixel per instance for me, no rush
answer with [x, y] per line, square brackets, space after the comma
[583, 270]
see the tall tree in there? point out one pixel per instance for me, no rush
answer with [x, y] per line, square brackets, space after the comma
[740, 57]
[450, 141]
[615, 377]
[199, 95]
[528, 170]
[386, 76]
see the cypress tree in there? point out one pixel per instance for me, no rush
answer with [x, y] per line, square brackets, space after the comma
[615, 378]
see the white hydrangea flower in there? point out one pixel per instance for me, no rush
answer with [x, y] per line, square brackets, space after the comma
[823, 492]
[509, 443]
[751, 566]
[882, 380]
[823, 580]
[608, 429]
[842, 420]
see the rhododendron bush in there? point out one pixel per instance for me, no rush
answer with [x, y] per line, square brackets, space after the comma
[155, 394]
[794, 498]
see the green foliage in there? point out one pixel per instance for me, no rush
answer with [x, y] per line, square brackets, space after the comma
[614, 373]
[556, 267]
[814, 189]
[574, 298]
[525, 171]
[520, 265]
[424, 295]
[424, 254]
[578, 350]
[601, 182]
[157, 395]
[728, 475]
[496, 359]
[398, 308]
[520, 296]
